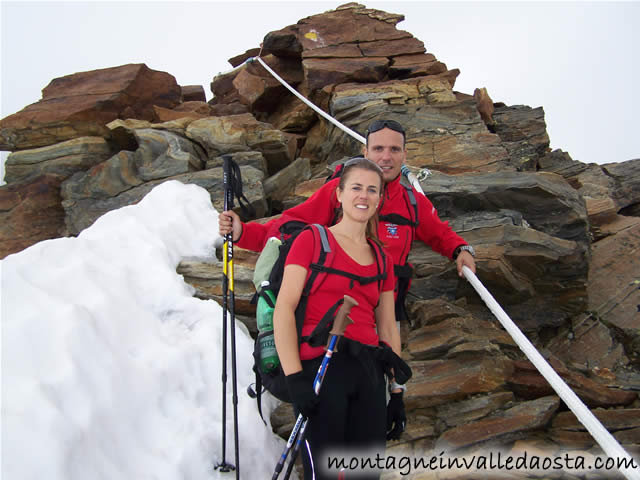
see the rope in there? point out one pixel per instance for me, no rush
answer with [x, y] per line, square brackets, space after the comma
[342, 127]
[606, 441]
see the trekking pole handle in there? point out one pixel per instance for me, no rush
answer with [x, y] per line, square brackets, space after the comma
[226, 182]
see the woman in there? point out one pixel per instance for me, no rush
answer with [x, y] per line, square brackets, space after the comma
[350, 412]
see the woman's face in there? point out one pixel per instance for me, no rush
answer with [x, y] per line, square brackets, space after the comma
[361, 194]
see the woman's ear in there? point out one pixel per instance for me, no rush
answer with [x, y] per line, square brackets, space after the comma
[338, 194]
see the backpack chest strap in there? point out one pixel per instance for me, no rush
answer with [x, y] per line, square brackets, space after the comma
[352, 276]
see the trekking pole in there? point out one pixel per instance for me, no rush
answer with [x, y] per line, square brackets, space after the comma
[297, 434]
[227, 288]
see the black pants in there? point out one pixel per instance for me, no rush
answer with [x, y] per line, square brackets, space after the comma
[351, 415]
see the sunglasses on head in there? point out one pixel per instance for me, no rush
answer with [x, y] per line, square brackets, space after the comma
[380, 124]
[360, 161]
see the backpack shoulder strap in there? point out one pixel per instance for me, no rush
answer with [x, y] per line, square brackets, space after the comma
[399, 219]
[322, 256]
[381, 263]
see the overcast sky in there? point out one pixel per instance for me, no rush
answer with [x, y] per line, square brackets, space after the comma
[577, 60]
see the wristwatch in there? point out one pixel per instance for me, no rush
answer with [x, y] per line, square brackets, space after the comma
[467, 248]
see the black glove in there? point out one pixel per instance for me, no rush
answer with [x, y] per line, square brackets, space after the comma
[396, 417]
[301, 392]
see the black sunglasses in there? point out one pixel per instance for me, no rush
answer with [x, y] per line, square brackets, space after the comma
[391, 124]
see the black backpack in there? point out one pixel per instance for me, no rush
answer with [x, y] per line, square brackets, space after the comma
[320, 267]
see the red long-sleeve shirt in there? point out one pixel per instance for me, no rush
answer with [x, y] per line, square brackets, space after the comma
[320, 208]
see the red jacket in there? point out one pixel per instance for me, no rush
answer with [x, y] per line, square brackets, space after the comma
[321, 206]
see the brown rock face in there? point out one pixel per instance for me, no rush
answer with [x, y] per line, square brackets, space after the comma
[62, 159]
[350, 24]
[614, 284]
[193, 93]
[29, 213]
[513, 423]
[83, 103]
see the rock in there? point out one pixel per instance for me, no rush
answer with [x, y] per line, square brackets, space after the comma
[520, 266]
[252, 159]
[622, 424]
[513, 423]
[160, 154]
[193, 93]
[85, 200]
[353, 24]
[293, 116]
[62, 159]
[205, 275]
[240, 59]
[82, 104]
[122, 131]
[546, 201]
[437, 382]
[302, 191]
[196, 106]
[437, 135]
[278, 186]
[528, 383]
[614, 285]
[588, 342]
[465, 411]
[561, 163]
[523, 132]
[527, 262]
[441, 340]
[166, 115]
[29, 213]
[612, 420]
[392, 48]
[485, 106]
[241, 133]
[626, 177]
[420, 65]
[251, 85]
[231, 109]
[608, 189]
[320, 72]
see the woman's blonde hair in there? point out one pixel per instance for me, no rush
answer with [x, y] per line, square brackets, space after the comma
[364, 164]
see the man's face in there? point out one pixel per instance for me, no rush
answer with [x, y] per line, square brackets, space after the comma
[386, 148]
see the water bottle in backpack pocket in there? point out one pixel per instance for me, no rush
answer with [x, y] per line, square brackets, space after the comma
[268, 355]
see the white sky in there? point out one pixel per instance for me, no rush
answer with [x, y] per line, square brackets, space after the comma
[110, 368]
[578, 60]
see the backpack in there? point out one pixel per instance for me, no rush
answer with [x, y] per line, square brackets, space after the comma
[320, 269]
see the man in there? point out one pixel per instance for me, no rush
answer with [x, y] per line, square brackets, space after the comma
[404, 214]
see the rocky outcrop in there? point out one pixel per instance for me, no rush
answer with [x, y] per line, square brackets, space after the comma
[29, 213]
[83, 103]
[62, 159]
[556, 239]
